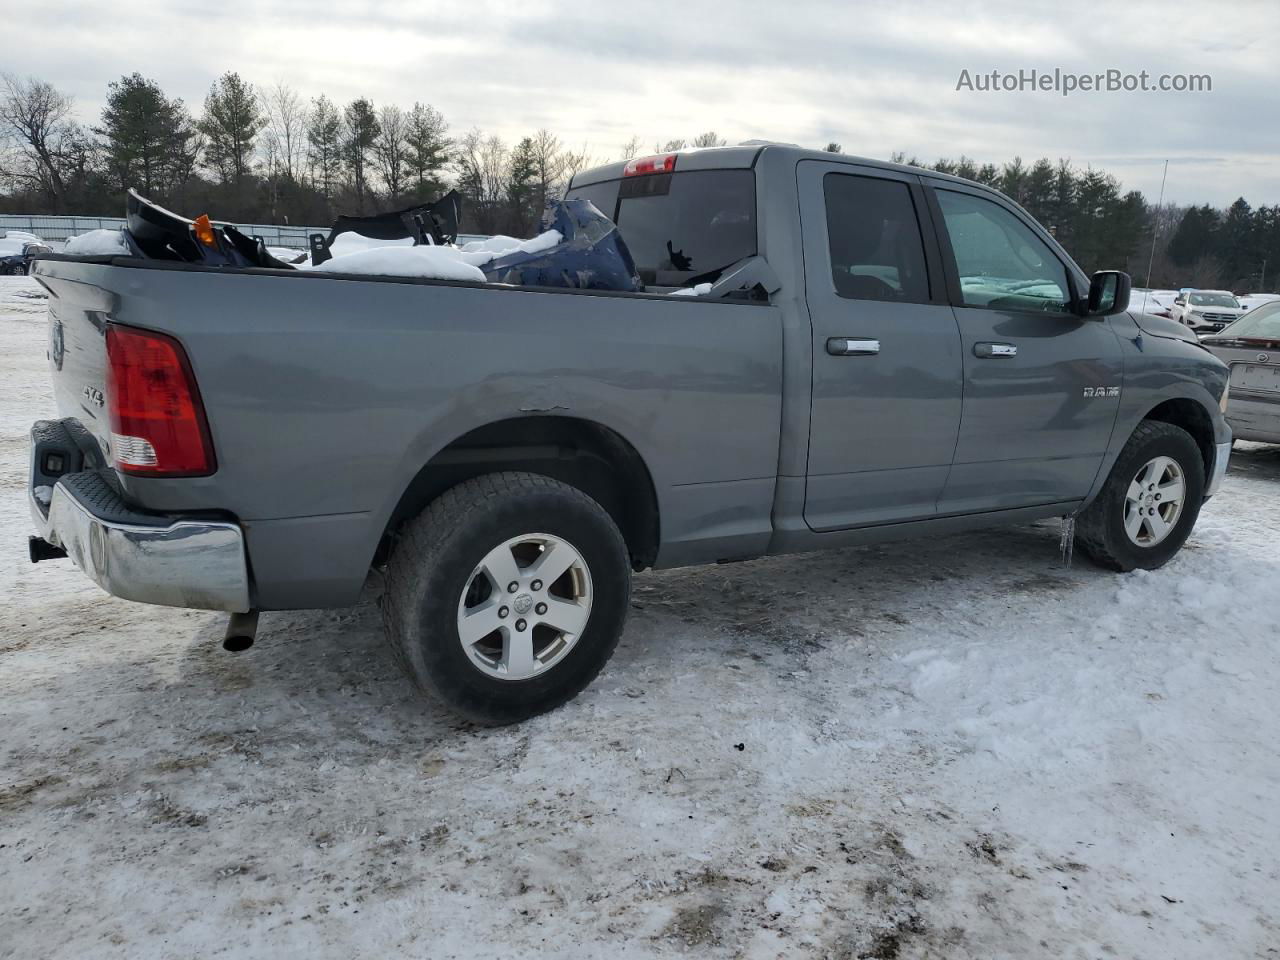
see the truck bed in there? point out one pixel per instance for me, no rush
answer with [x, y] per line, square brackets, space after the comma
[326, 395]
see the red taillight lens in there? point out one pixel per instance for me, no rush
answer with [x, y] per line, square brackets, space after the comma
[158, 427]
[663, 163]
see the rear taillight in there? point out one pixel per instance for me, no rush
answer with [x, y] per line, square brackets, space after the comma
[158, 427]
[663, 163]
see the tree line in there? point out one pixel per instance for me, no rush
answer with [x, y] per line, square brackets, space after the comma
[268, 154]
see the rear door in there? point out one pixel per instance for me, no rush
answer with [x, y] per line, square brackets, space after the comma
[887, 371]
[1041, 384]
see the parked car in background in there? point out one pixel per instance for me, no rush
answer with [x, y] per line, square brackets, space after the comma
[1206, 311]
[1157, 303]
[17, 250]
[1251, 301]
[1251, 347]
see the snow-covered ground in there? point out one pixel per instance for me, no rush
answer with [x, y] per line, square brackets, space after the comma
[953, 748]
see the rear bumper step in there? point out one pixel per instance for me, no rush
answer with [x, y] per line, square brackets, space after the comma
[138, 555]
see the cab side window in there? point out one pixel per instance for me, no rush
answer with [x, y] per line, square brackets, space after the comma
[874, 235]
[1002, 264]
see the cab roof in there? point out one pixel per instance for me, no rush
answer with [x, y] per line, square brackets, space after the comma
[745, 156]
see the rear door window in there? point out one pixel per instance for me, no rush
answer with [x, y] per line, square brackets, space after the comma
[874, 236]
[684, 227]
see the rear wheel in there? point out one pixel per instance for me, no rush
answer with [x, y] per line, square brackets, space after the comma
[507, 595]
[1149, 503]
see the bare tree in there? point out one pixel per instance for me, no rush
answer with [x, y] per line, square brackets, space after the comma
[482, 163]
[390, 149]
[285, 137]
[630, 149]
[36, 118]
[670, 146]
[550, 167]
[708, 139]
[575, 161]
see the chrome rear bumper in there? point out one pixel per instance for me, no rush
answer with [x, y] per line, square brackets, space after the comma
[151, 558]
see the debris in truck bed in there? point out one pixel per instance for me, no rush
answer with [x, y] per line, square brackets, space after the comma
[579, 247]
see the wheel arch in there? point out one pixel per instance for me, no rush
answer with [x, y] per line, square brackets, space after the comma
[1192, 417]
[575, 450]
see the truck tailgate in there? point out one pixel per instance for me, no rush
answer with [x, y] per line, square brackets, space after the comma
[78, 314]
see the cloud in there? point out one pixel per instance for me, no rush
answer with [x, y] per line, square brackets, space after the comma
[876, 77]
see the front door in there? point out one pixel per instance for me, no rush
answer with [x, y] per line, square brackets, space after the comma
[886, 349]
[1042, 384]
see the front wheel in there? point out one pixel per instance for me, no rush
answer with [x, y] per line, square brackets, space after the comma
[507, 595]
[1149, 502]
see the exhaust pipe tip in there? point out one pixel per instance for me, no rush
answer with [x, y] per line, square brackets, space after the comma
[40, 549]
[242, 630]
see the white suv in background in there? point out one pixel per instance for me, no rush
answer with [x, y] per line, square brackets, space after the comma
[1206, 311]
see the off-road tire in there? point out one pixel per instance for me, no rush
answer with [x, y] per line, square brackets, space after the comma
[433, 562]
[1100, 529]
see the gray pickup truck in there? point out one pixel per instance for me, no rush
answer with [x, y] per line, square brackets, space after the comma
[878, 352]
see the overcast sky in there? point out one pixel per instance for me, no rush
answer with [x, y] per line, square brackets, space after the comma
[875, 77]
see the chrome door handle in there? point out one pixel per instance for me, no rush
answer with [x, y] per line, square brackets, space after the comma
[852, 347]
[994, 350]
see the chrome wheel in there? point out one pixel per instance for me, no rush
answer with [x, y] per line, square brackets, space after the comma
[1153, 502]
[524, 606]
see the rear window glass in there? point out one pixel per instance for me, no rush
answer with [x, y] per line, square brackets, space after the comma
[682, 227]
[1214, 300]
[1263, 322]
[603, 196]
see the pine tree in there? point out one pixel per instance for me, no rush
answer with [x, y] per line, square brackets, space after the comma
[324, 139]
[1062, 203]
[1038, 190]
[359, 133]
[427, 147]
[148, 140]
[965, 168]
[232, 120]
[522, 188]
[1237, 242]
[1195, 236]
[1013, 180]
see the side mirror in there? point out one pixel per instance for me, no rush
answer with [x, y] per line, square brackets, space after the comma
[1108, 293]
